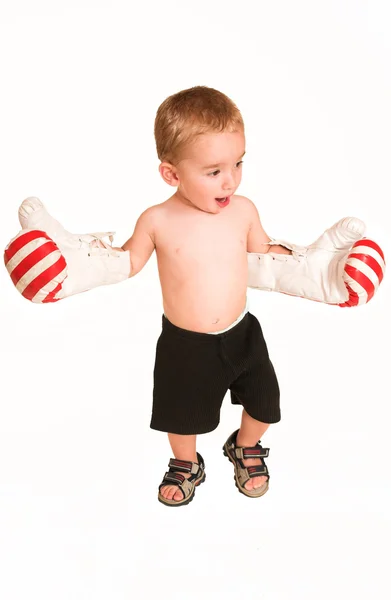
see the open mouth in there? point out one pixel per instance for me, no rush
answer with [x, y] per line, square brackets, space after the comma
[223, 201]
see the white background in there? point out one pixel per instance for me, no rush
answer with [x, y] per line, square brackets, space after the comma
[79, 466]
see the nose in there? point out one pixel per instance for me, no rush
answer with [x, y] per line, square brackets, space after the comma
[229, 183]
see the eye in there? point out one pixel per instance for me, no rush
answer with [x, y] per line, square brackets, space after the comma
[214, 172]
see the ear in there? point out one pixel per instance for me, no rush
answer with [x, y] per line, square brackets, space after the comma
[169, 173]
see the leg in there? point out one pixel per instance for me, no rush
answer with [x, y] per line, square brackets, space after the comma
[183, 448]
[249, 433]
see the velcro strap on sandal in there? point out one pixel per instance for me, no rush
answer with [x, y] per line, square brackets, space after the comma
[257, 470]
[253, 452]
[183, 465]
[175, 477]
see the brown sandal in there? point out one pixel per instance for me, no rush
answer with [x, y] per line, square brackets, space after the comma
[186, 485]
[236, 454]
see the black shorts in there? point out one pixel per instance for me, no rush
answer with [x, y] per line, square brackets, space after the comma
[193, 372]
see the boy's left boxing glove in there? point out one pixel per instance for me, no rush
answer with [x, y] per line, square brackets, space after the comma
[341, 267]
[48, 263]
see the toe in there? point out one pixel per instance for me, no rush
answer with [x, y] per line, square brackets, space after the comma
[178, 495]
[259, 482]
[255, 482]
[166, 491]
[171, 492]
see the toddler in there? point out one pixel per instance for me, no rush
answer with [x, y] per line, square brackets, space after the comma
[210, 343]
[206, 238]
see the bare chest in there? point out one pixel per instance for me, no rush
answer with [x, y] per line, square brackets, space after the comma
[202, 263]
[207, 241]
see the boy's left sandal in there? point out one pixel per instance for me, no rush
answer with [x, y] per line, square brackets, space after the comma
[236, 454]
[186, 485]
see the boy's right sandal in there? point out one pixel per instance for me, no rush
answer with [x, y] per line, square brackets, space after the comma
[236, 454]
[186, 485]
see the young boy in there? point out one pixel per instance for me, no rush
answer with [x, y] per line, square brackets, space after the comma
[210, 343]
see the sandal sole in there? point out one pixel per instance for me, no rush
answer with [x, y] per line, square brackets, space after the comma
[187, 500]
[241, 489]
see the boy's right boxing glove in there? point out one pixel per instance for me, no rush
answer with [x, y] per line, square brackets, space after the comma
[47, 263]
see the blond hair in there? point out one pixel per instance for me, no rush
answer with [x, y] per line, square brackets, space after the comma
[190, 113]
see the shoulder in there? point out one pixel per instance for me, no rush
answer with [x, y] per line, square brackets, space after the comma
[245, 202]
[249, 209]
[147, 221]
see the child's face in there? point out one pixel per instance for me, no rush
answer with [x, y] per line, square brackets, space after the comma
[199, 181]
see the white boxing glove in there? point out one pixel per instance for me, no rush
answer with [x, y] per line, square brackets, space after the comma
[340, 267]
[47, 263]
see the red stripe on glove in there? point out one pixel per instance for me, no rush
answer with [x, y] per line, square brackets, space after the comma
[353, 297]
[44, 278]
[362, 279]
[370, 244]
[21, 241]
[50, 297]
[371, 262]
[32, 259]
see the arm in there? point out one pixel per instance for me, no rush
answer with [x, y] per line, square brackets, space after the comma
[257, 239]
[141, 244]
